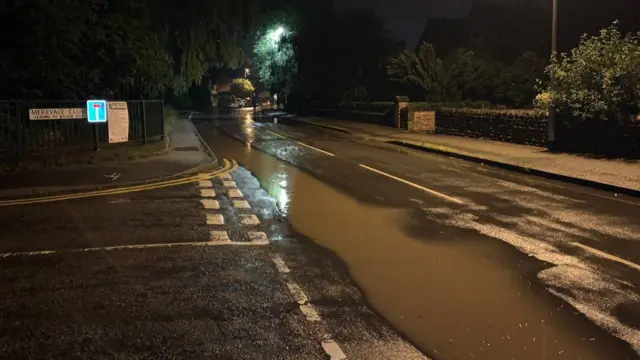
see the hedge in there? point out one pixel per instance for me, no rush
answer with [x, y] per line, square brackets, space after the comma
[505, 114]
[431, 106]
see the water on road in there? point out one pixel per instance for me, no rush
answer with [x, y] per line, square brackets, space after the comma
[456, 284]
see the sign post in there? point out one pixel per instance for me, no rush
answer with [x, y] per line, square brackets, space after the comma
[96, 113]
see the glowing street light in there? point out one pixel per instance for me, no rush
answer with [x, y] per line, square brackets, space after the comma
[276, 34]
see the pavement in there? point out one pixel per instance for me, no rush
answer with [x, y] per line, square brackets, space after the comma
[322, 245]
[185, 154]
[621, 176]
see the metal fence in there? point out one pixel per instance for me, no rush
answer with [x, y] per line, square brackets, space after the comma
[21, 137]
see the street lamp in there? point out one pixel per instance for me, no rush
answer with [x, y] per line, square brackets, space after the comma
[276, 34]
[554, 49]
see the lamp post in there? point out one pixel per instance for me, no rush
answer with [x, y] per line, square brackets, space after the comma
[554, 48]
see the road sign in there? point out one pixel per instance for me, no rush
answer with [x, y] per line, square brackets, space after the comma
[57, 114]
[97, 111]
[118, 115]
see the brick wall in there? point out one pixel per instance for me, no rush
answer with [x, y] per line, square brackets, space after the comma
[422, 121]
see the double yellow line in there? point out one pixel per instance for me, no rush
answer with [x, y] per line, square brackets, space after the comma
[229, 165]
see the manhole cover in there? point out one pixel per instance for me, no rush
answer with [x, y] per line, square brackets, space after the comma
[188, 148]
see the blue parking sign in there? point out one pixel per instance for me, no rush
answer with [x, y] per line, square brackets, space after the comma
[97, 111]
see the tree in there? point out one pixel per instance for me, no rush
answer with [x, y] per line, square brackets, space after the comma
[515, 84]
[115, 48]
[441, 79]
[274, 57]
[242, 88]
[359, 49]
[600, 78]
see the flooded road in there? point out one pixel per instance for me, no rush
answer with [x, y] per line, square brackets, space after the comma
[481, 266]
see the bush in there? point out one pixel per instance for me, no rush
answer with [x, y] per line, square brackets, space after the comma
[492, 113]
[600, 79]
[181, 102]
[378, 107]
[433, 106]
[242, 88]
[542, 101]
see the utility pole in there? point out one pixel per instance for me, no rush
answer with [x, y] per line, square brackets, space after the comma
[554, 49]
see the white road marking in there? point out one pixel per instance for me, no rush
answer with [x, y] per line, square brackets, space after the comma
[113, 176]
[333, 350]
[301, 298]
[205, 184]
[276, 134]
[241, 204]
[315, 148]
[229, 183]
[258, 238]
[210, 204]
[235, 193]
[215, 219]
[128, 247]
[280, 265]
[310, 312]
[587, 288]
[119, 201]
[297, 293]
[28, 253]
[225, 176]
[608, 256]
[432, 192]
[219, 236]
[249, 220]
[207, 193]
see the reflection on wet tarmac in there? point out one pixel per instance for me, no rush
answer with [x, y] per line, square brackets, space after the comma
[453, 291]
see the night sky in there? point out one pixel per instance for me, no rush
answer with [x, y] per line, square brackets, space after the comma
[406, 19]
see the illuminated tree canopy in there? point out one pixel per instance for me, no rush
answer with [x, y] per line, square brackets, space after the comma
[274, 57]
[242, 88]
[601, 77]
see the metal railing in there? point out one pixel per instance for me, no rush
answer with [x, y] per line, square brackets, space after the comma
[21, 137]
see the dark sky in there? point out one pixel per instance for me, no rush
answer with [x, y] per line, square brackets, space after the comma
[406, 18]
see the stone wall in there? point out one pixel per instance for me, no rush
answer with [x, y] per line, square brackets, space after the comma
[530, 129]
[527, 127]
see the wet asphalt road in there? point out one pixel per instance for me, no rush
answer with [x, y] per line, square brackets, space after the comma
[465, 260]
[145, 275]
